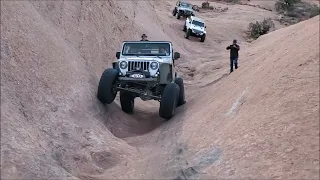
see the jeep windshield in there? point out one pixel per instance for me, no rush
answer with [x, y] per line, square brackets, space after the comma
[197, 23]
[186, 5]
[146, 49]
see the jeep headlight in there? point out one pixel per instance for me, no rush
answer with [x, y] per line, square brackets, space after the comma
[123, 64]
[154, 65]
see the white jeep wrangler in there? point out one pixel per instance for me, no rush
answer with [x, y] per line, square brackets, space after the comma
[195, 26]
[144, 69]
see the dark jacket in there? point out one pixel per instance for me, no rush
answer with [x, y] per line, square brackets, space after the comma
[234, 50]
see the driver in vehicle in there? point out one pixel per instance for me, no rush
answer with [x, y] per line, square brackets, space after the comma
[134, 50]
[127, 49]
[163, 50]
[144, 37]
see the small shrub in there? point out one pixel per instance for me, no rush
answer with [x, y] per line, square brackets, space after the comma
[285, 5]
[304, 10]
[231, 1]
[260, 28]
[296, 9]
[206, 5]
[314, 11]
[196, 8]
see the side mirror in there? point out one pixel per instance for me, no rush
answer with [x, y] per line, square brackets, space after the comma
[118, 55]
[176, 55]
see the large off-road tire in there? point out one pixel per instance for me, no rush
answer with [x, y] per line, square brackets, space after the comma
[187, 35]
[181, 97]
[174, 12]
[179, 15]
[127, 101]
[203, 37]
[169, 100]
[106, 89]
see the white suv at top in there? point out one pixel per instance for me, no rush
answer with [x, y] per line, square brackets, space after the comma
[195, 26]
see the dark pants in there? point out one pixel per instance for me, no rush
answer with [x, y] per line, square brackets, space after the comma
[233, 60]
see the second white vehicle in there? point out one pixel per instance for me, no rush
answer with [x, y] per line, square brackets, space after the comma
[195, 26]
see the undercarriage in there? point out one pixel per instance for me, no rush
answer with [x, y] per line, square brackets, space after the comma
[145, 88]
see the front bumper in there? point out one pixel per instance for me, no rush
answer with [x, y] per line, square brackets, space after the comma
[197, 33]
[128, 79]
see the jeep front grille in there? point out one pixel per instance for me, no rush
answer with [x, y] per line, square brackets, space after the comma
[197, 31]
[143, 65]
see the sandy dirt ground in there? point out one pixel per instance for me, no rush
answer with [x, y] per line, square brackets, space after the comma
[259, 122]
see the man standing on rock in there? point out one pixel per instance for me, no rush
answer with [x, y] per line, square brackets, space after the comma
[234, 48]
[144, 37]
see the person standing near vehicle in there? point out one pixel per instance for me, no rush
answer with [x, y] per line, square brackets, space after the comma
[234, 48]
[144, 37]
